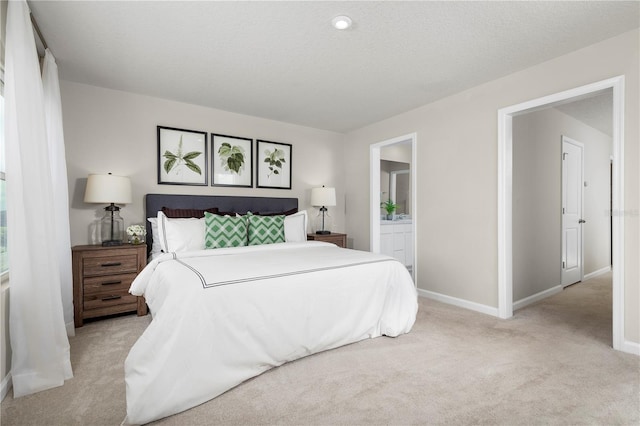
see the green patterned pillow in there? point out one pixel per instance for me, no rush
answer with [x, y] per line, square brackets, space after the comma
[265, 229]
[224, 231]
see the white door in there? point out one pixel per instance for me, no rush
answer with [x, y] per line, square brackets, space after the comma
[572, 184]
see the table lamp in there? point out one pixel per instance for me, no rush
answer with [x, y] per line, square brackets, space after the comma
[323, 197]
[114, 190]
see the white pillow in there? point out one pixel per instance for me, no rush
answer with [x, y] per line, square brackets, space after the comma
[155, 248]
[180, 234]
[295, 227]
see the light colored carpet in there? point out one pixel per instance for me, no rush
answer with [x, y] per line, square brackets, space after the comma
[550, 364]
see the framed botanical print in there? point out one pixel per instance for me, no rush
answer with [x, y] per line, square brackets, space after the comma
[182, 157]
[231, 161]
[273, 164]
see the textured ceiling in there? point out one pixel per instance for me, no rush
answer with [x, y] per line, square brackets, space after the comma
[283, 60]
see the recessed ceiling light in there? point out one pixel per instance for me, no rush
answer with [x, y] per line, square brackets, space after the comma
[341, 22]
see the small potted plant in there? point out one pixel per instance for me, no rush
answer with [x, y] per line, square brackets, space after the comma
[390, 207]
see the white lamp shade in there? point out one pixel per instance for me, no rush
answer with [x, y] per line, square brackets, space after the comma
[108, 189]
[323, 197]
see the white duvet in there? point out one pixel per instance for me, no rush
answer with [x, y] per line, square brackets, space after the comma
[223, 316]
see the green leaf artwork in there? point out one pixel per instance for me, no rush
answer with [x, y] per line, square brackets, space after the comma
[275, 160]
[231, 157]
[174, 161]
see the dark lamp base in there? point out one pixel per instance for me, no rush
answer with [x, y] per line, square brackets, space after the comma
[111, 243]
[323, 232]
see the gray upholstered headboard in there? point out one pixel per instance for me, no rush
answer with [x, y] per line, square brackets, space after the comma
[263, 205]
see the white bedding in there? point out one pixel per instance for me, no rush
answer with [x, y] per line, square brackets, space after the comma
[223, 316]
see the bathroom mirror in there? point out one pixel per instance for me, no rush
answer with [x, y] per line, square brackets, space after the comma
[395, 178]
[399, 190]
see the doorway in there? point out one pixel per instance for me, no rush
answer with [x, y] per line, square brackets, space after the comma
[505, 197]
[376, 198]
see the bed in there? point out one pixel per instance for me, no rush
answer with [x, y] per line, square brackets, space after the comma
[224, 315]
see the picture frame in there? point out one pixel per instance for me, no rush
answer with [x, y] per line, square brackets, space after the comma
[273, 164]
[231, 161]
[182, 157]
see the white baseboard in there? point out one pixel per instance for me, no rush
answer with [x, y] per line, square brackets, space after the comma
[596, 273]
[473, 306]
[5, 386]
[631, 347]
[538, 296]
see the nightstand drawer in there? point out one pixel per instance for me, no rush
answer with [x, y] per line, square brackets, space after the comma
[110, 265]
[104, 300]
[112, 283]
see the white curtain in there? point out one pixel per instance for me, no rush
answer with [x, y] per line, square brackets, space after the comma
[39, 343]
[60, 187]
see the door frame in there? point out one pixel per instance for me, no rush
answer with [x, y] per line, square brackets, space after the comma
[505, 197]
[567, 140]
[374, 195]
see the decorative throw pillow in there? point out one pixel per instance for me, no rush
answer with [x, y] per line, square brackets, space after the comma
[224, 231]
[265, 229]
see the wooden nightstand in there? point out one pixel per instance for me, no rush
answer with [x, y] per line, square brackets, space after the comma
[101, 280]
[338, 239]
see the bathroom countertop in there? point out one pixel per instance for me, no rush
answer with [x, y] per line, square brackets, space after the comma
[391, 222]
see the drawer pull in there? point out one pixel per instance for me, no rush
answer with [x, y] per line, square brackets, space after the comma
[104, 299]
[111, 264]
[111, 282]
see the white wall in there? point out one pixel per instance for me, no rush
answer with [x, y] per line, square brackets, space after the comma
[537, 198]
[113, 131]
[457, 173]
